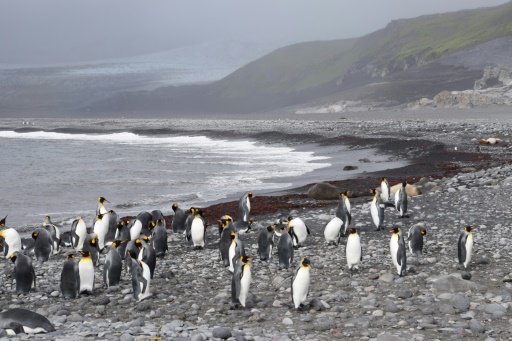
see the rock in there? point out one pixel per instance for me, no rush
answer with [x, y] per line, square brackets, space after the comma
[387, 277]
[465, 275]
[460, 302]
[476, 326]
[287, 321]
[491, 308]
[446, 309]
[405, 293]
[221, 333]
[325, 325]
[324, 191]
[197, 337]
[389, 337]
[349, 168]
[126, 337]
[411, 190]
[451, 283]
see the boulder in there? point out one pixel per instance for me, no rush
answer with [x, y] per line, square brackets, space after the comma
[349, 168]
[324, 191]
[455, 284]
[411, 190]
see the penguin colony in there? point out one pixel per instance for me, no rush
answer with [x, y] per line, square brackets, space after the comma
[134, 246]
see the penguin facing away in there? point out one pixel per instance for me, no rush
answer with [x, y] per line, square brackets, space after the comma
[43, 246]
[385, 189]
[465, 246]
[285, 248]
[244, 206]
[332, 231]
[113, 265]
[188, 224]
[300, 283]
[415, 237]
[178, 221]
[343, 212]
[54, 233]
[123, 230]
[398, 251]
[78, 234]
[401, 201]
[241, 281]
[353, 250]
[18, 320]
[86, 271]
[11, 241]
[70, 278]
[159, 238]
[112, 219]
[141, 279]
[23, 272]
[227, 237]
[266, 242]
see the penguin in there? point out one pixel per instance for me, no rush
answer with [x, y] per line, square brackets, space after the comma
[140, 279]
[266, 243]
[91, 245]
[100, 227]
[178, 221]
[226, 238]
[188, 224]
[241, 226]
[465, 246]
[228, 220]
[398, 251]
[377, 209]
[385, 189]
[232, 251]
[11, 241]
[159, 238]
[43, 246]
[145, 218]
[300, 283]
[100, 209]
[415, 237]
[146, 253]
[343, 212]
[241, 281]
[2, 222]
[112, 219]
[27, 244]
[86, 271]
[301, 230]
[332, 231]
[23, 272]
[78, 234]
[157, 215]
[132, 251]
[18, 320]
[280, 224]
[113, 265]
[353, 249]
[123, 230]
[65, 240]
[236, 249]
[244, 206]
[198, 231]
[70, 278]
[54, 233]
[285, 248]
[401, 201]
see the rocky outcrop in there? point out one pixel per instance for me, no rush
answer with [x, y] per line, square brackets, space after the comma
[494, 77]
[324, 191]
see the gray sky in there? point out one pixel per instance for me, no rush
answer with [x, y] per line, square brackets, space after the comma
[53, 31]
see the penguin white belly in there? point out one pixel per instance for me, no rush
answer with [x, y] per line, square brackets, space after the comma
[248, 209]
[385, 192]
[37, 330]
[81, 232]
[469, 249]
[353, 251]
[135, 230]
[245, 282]
[397, 200]
[86, 271]
[231, 255]
[197, 232]
[13, 239]
[103, 210]
[347, 204]
[393, 247]
[300, 230]
[301, 286]
[146, 273]
[332, 229]
[100, 228]
[410, 246]
[374, 210]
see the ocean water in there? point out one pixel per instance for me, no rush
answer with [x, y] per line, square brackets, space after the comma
[62, 175]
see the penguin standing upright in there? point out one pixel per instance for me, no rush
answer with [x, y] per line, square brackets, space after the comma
[112, 219]
[198, 231]
[123, 230]
[244, 206]
[377, 209]
[385, 189]
[188, 224]
[145, 218]
[300, 283]
[266, 243]
[285, 248]
[398, 251]
[301, 230]
[54, 233]
[332, 231]
[241, 281]
[147, 253]
[401, 201]
[11, 241]
[141, 279]
[343, 212]
[113, 265]
[465, 246]
[227, 237]
[232, 251]
[159, 238]
[101, 229]
[23, 272]
[157, 215]
[86, 271]
[415, 238]
[178, 221]
[353, 249]
[78, 234]
[100, 209]
[70, 278]
[18, 320]
[43, 246]
[91, 245]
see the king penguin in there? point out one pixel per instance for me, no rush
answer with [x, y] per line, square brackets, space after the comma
[54, 233]
[266, 243]
[465, 246]
[178, 221]
[100, 209]
[353, 249]
[147, 254]
[188, 224]
[145, 219]
[141, 279]
[198, 231]
[301, 230]
[159, 238]
[241, 281]
[101, 229]
[415, 237]
[401, 201]
[78, 234]
[11, 241]
[70, 278]
[332, 231]
[91, 245]
[43, 246]
[244, 206]
[285, 248]
[113, 265]
[398, 251]
[123, 230]
[112, 219]
[23, 273]
[86, 271]
[377, 210]
[232, 251]
[2, 222]
[300, 283]
[343, 212]
[227, 237]
[385, 189]
[18, 320]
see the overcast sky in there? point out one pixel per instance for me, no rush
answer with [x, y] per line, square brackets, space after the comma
[53, 31]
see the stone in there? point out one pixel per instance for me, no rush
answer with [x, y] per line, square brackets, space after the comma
[221, 333]
[465, 275]
[476, 326]
[460, 302]
[287, 321]
[324, 191]
[411, 190]
[387, 277]
[451, 283]
[405, 293]
[126, 337]
[389, 337]
[349, 168]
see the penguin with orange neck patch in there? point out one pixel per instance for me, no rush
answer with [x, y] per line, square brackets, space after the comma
[465, 246]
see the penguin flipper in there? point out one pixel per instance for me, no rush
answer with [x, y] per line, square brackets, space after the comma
[361, 259]
[462, 248]
[105, 272]
[33, 275]
[307, 229]
[349, 216]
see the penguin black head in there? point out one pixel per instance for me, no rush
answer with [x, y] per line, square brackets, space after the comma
[233, 235]
[192, 210]
[174, 207]
[282, 229]
[384, 179]
[116, 243]
[145, 238]
[71, 255]
[160, 221]
[111, 211]
[2, 222]
[352, 231]
[423, 231]
[132, 254]
[102, 200]
[93, 241]
[245, 259]
[198, 211]
[34, 235]
[99, 216]
[120, 225]
[404, 183]
[469, 228]
[271, 228]
[138, 244]
[343, 194]
[127, 222]
[13, 257]
[249, 194]
[151, 225]
[395, 229]
[290, 218]
[85, 254]
[305, 262]
[374, 191]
